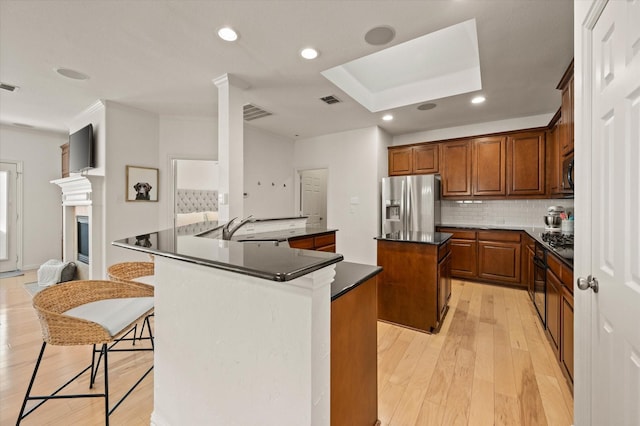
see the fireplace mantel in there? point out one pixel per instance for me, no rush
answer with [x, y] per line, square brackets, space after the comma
[82, 195]
[76, 190]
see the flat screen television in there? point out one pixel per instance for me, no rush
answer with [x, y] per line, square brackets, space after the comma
[81, 155]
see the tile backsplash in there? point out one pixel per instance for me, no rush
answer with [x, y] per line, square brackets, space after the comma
[499, 212]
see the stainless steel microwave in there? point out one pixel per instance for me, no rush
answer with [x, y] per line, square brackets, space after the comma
[568, 174]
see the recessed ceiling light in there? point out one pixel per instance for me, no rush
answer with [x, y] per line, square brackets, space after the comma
[478, 100]
[380, 35]
[309, 53]
[426, 107]
[227, 34]
[72, 74]
[387, 117]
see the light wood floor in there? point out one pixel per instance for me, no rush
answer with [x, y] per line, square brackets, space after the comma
[490, 364]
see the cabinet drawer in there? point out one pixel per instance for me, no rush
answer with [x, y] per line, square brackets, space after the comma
[554, 264]
[325, 240]
[330, 248]
[508, 236]
[460, 234]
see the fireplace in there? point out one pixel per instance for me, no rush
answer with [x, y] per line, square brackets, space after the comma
[83, 238]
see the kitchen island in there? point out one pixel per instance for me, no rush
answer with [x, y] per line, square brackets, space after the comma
[252, 324]
[415, 284]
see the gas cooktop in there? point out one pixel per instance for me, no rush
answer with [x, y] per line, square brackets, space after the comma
[561, 244]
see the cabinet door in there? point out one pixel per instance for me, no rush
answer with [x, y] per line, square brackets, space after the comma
[444, 285]
[526, 164]
[566, 146]
[566, 339]
[400, 161]
[499, 261]
[464, 258]
[425, 159]
[554, 166]
[554, 298]
[302, 243]
[456, 169]
[489, 166]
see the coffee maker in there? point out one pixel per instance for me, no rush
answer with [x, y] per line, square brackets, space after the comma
[553, 219]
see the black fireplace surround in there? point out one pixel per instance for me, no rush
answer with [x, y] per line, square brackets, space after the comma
[83, 238]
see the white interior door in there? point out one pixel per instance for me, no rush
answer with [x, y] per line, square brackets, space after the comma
[612, 86]
[8, 217]
[313, 196]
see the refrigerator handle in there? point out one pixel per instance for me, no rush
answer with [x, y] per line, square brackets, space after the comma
[407, 196]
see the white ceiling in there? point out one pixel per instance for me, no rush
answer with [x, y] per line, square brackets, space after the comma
[161, 56]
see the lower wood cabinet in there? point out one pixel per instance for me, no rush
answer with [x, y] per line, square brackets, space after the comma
[554, 305]
[322, 242]
[414, 286]
[354, 380]
[566, 340]
[499, 256]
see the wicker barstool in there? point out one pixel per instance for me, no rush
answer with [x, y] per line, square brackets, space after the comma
[90, 312]
[128, 272]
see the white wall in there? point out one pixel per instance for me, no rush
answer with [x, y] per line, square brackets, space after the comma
[353, 160]
[197, 174]
[475, 129]
[40, 155]
[268, 159]
[191, 138]
[132, 139]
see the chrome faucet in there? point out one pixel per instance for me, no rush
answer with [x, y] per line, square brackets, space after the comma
[228, 233]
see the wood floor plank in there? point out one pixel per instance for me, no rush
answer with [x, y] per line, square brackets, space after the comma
[531, 408]
[477, 370]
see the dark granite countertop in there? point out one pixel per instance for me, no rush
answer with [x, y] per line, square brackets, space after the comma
[259, 259]
[436, 238]
[351, 275]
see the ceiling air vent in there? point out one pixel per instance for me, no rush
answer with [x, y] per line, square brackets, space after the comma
[252, 112]
[8, 87]
[330, 100]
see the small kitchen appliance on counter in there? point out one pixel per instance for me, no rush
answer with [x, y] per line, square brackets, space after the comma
[553, 219]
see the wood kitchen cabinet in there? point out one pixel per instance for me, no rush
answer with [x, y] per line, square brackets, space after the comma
[553, 157]
[488, 166]
[567, 107]
[65, 160]
[321, 242]
[526, 164]
[419, 159]
[561, 278]
[499, 256]
[444, 280]
[354, 389]
[554, 306]
[409, 284]
[464, 253]
[456, 168]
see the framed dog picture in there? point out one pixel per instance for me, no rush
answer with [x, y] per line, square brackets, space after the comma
[142, 183]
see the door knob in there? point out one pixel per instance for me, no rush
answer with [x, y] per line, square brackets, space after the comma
[590, 282]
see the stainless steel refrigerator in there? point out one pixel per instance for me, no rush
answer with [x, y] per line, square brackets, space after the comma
[410, 203]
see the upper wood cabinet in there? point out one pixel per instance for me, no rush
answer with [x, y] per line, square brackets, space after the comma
[526, 164]
[426, 159]
[456, 168]
[65, 160]
[409, 160]
[554, 164]
[488, 166]
[400, 160]
[566, 126]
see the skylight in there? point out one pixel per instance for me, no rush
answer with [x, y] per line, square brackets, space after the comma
[437, 65]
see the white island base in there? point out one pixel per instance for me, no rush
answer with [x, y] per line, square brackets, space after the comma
[233, 349]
